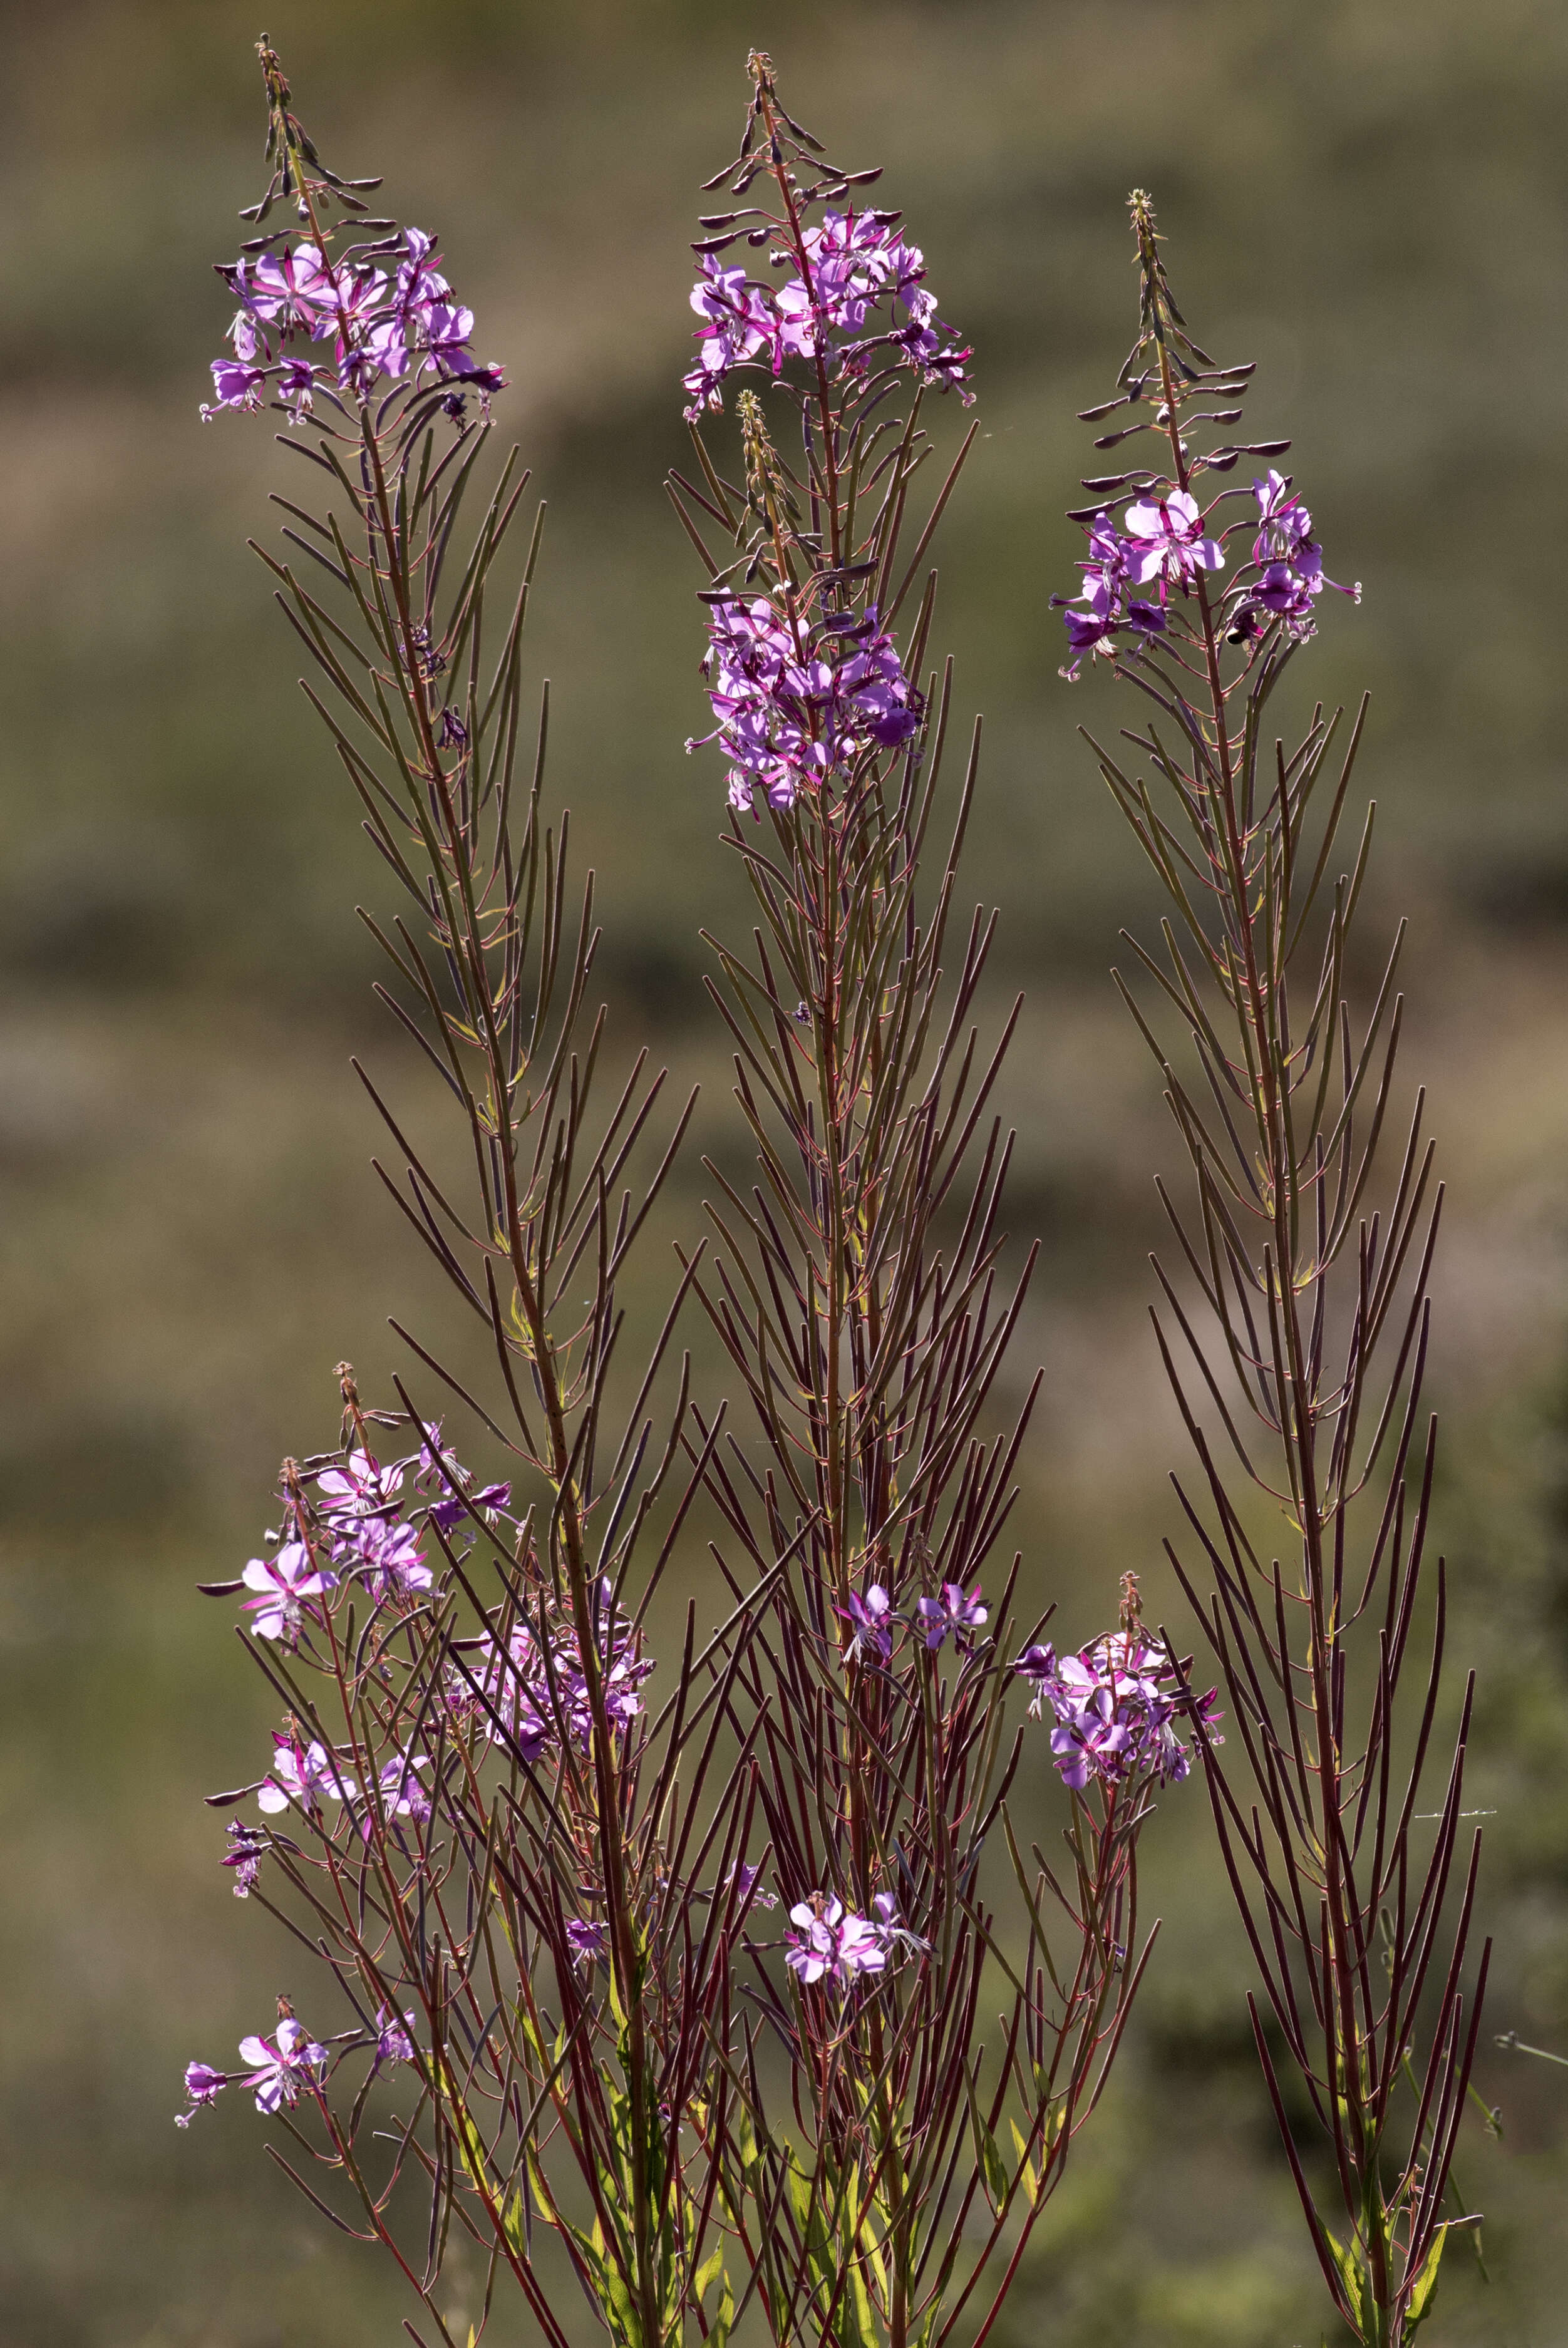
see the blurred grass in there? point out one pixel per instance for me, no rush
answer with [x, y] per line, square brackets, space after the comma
[1370, 200]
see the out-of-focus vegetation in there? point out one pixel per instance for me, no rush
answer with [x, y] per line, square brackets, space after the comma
[1371, 201]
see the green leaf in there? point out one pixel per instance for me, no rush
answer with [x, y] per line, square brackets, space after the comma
[719, 2330]
[993, 2169]
[1426, 2282]
[1028, 2172]
[1353, 2275]
[707, 2274]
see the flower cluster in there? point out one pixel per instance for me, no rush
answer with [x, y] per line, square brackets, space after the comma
[1115, 1705]
[831, 1942]
[799, 703]
[520, 1695]
[858, 291]
[1164, 542]
[1287, 569]
[305, 1774]
[363, 1530]
[873, 1619]
[278, 2070]
[360, 1504]
[1115, 564]
[399, 323]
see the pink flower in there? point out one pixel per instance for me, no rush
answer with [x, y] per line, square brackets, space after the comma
[289, 290]
[402, 1794]
[1167, 542]
[587, 1942]
[393, 2044]
[1115, 1706]
[283, 1583]
[831, 1942]
[281, 2068]
[247, 1846]
[300, 1774]
[858, 276]
[360, 1487]
[952, 1611]
[871, 1616]
[236, 385]
[203, 2085]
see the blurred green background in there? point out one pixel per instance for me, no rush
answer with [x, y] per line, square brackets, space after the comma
[1367, 197]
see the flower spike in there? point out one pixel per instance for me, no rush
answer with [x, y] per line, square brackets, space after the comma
[1311, 1347]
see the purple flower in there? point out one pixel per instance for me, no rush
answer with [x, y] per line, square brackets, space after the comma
[354, 300]
[587, 1941]
[419, 280]
[1284, 523]
[1036, 1664]
[203, 2085]
[952, 1611]
[444, 1471]
[1096, 625]
[360, 1487]
[744, 1879]
[894, 1934]
[283, 1582]
[1288, 593]
[871, 1616]
[289, 290]
[621, 1671]
[296, 388]
[359, 1502]
[447, 329]
[407, 328]
[513, 1686]
[1289, 565]
[450, 1510]
[235, 384]
[1115, 1706]
[798, 705]
[245, 341]
[300, 1774]
[1167, 542]
[401, 1794]
[281, 2068]
[737, 318]
[858, 277]
[620, 1683]
[247, 1846]
[1108, 609]
[393, 2044]
[389, 1557]
[829, 1941]
[533, 1690]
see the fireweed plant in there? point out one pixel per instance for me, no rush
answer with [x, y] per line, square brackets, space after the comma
[521, 1882]
[899, 2145]
[1297, 1332]
[552, 1985]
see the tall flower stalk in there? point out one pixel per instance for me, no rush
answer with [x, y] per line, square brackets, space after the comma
[1295, 1328]
[524, 1881]
[537, 1876]
[898, 2159]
